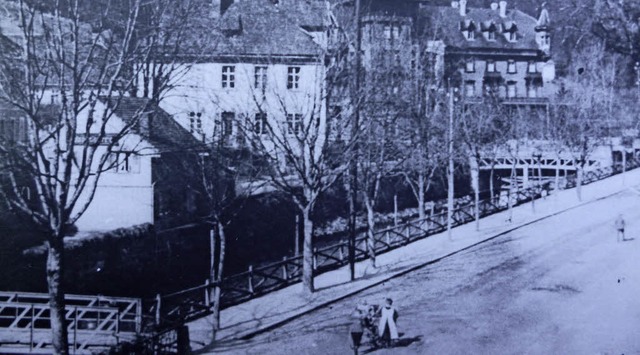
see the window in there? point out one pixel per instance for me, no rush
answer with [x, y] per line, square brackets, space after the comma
[124, 162]
[513, 36]
[511, 89]
[531, 67]
[470, 35]
[470, 66]
[293, 77]
[532, 91]
[195, 122]
[227, 119]
[228, 76]
[511, 67]
[260, 123]
[545, 40]
[294, 123]
[260, 75]
[491, 66]
[470, 88]
[391, 31]
[491, 35]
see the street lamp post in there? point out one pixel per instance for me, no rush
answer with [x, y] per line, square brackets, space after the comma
[450, 181]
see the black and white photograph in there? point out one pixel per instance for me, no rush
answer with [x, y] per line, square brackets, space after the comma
[319, 177]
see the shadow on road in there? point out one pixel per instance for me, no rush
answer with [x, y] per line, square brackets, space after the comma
[401, 343]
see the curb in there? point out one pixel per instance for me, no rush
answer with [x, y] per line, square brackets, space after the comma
[263, 329]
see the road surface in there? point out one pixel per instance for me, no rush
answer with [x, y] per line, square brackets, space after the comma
[563, 285]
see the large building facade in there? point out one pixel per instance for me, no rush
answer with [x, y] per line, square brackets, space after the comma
[484, 51]
[260, 67]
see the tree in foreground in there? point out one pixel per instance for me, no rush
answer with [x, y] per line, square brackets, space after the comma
[66, 80]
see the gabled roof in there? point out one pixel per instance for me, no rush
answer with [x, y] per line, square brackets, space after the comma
[262, 28]
[447, 21]
[155, 125]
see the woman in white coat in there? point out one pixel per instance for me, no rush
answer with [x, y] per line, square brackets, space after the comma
[387, 328]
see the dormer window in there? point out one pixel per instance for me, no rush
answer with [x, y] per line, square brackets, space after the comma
[469, 35]
[468, 29]
[510, 30]
[545, 40]
[489, 30]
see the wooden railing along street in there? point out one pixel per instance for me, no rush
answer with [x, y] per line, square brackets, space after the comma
[255, 282]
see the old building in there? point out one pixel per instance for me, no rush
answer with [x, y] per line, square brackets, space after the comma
[494, 51]
[483, 51]
[252, 63]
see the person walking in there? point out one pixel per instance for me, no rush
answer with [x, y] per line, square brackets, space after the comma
[387, 328]
[620, 224]
[356, 330]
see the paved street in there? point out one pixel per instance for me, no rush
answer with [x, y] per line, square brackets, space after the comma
[559, 286]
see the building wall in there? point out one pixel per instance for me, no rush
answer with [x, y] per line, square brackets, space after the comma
[201, 91]
[123, 198]
[501, 68]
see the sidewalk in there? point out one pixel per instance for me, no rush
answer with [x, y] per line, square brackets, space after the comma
[267, 312]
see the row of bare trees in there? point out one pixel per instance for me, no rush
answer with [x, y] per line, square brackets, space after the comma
[86, 66]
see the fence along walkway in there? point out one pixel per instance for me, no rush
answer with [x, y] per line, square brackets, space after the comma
[178, 308]
[93, 322]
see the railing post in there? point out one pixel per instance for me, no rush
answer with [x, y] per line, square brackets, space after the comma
[207, 286]
[75, 330]
[386, 237]
[315, 258]
[158, 304]
[251, 279]
[340, 252]
[118, 321]
[31, 328]
[407, 234]
[284, 268]
[138, 316]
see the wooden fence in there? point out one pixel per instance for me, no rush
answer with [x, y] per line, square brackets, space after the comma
[92, 321]
[255, 282]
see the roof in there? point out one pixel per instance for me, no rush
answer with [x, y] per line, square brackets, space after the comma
[157, 126]
[262, 28]
[448, 21]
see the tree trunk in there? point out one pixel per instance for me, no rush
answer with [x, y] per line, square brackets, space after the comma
[491, 187]
[55, 267]
[511, 191]
[579, 181]
[475, 185]
[421, 193]
[215, 295]
[624, 164]
[307, 251]
[557, 187]
[371, 243]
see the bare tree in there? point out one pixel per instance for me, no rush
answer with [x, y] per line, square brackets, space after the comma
[482, 127]
[583, 108]
[70, 81]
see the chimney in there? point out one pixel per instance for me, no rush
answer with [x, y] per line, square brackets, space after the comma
[503, 8]
[215, 9]
[494, 6]
[463, 7]
[454, 4]
[218, 7]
